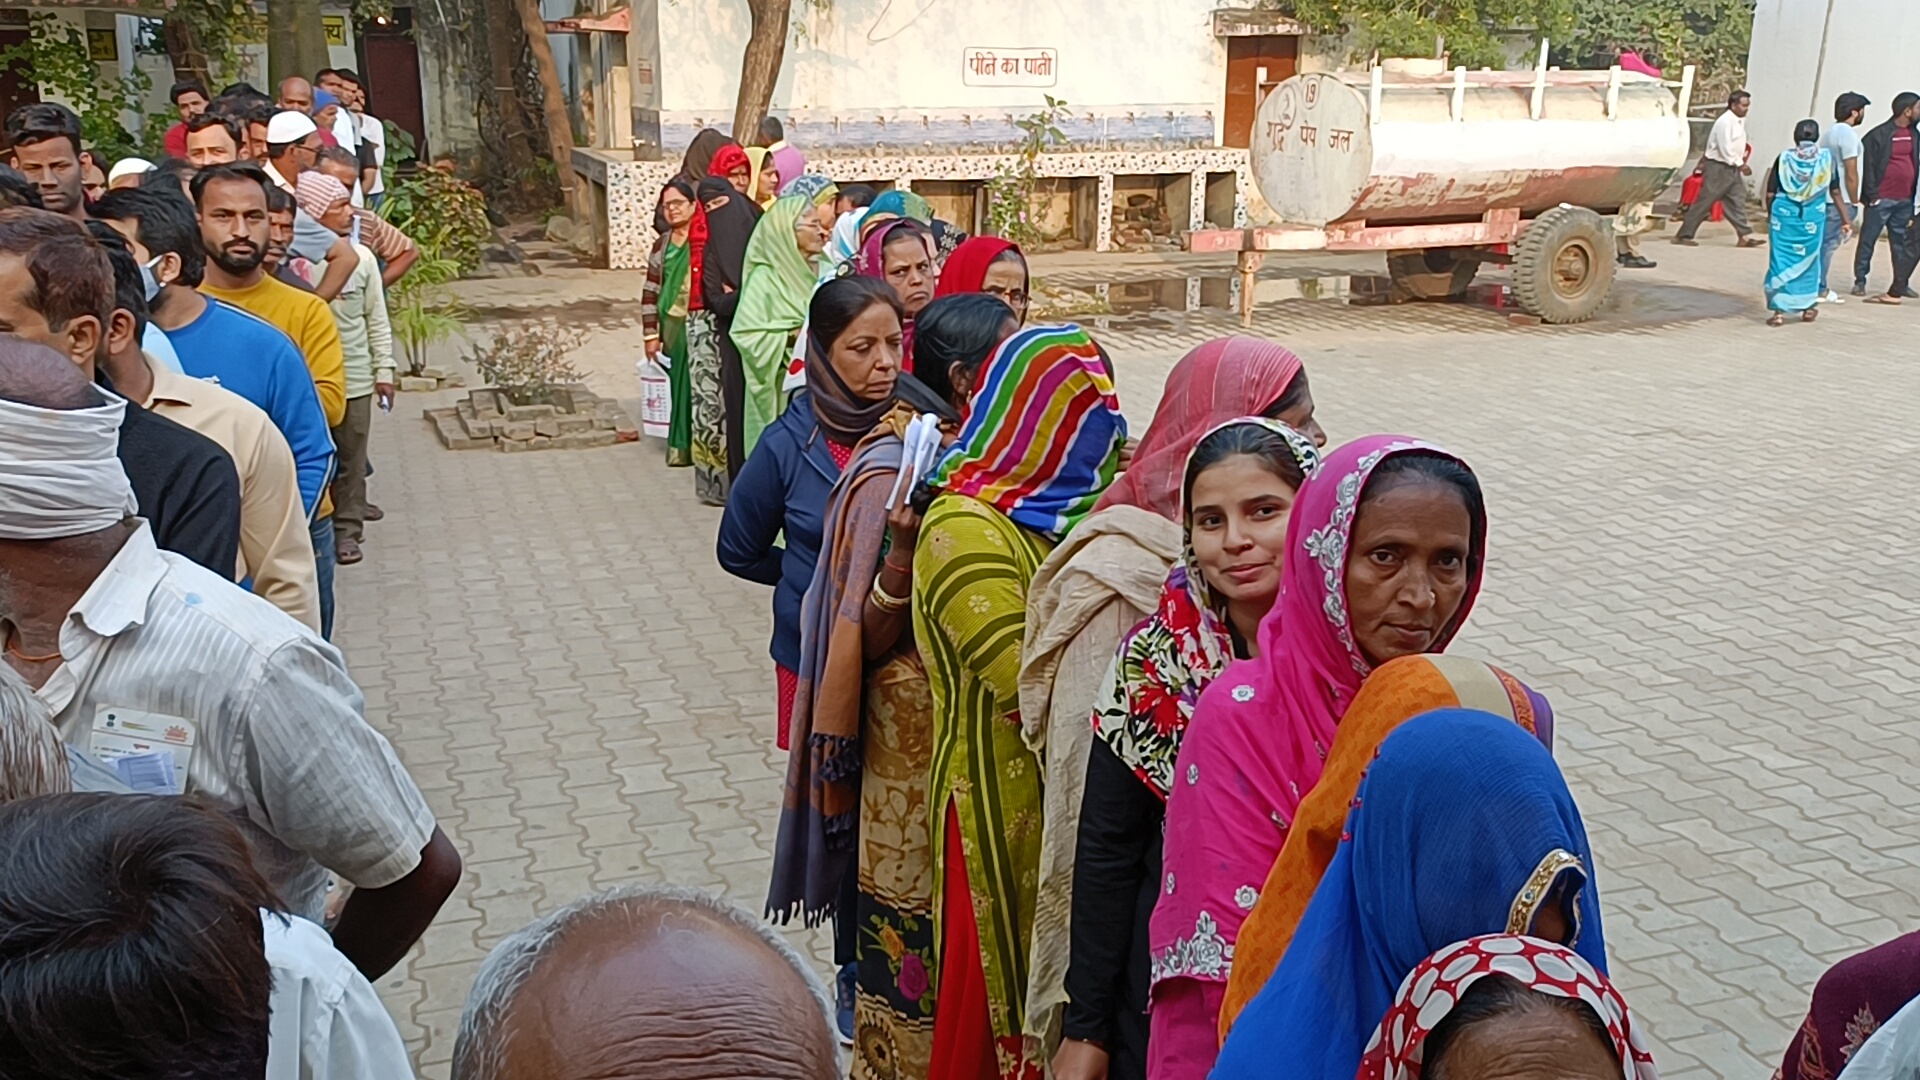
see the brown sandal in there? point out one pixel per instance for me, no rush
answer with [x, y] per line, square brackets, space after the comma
[1810, 314]
[1777, 319]
[1751, 242]
[1890, 301]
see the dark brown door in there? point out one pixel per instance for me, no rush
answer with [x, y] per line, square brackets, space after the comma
[1255, 65]
[393, 84]
[15, 88]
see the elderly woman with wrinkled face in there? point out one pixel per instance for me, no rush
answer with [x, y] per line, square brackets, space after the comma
[645, 983]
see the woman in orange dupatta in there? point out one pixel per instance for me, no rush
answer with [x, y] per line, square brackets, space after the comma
[1396, 692]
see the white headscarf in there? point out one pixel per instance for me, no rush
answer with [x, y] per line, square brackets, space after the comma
[60, 471]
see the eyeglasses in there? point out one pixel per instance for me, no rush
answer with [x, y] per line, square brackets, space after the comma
[1016, 297]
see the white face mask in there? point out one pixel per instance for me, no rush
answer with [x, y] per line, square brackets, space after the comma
[148, 280]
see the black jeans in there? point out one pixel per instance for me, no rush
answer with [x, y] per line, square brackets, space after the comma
[1893, 215]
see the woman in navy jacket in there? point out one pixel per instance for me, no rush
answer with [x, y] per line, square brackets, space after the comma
[853, 363]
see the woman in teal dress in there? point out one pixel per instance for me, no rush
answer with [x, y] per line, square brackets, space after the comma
[1799, 188]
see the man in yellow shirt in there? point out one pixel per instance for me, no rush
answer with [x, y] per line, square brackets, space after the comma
[232, 204]
[276, 554]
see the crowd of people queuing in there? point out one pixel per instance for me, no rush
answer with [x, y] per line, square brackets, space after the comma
[1108, 757]
[1113, 757]
[189, 355]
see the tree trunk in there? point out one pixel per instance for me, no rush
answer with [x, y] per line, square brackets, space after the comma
[554, 107]
[314, 54]
[283, 43]
[507, 134]
[184, 52]
[760, 66]
[296, 41]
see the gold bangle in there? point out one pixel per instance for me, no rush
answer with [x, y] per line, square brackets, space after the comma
[885, 600]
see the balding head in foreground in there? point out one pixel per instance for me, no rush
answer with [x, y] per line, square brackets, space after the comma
[646, 983]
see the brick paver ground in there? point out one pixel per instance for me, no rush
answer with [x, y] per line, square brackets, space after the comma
[1703, 550]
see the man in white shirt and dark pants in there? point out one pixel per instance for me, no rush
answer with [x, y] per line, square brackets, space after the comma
[1724, 174]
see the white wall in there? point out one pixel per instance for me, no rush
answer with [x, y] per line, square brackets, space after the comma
[1868, 48]
[862, 60]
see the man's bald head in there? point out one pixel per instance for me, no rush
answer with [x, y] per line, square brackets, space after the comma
[296, 93]
[646, 983]
[33, 374]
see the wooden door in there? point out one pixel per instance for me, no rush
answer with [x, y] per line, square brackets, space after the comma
[16, 89]
[393, 84]
[1255, 65]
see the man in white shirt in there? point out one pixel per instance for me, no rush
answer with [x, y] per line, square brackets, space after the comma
[152, 903]
[1843, 141]
[1724, 174]
[293, 146]
[373, 140]
[135, 650]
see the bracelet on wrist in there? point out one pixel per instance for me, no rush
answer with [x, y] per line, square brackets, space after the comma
[885, 600]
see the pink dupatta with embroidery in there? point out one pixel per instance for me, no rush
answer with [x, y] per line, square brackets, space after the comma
[1259, 735]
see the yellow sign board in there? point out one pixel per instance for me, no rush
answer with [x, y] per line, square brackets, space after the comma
[336, 27]
[103, 46]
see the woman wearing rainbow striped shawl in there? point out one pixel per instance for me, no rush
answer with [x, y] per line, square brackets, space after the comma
[1040, 443]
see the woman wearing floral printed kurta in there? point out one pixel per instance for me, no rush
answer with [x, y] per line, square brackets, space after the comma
[1004, 497]
[1235, 496]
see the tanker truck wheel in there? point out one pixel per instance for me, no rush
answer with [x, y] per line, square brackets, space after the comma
[1563, 265]
[1429, 274]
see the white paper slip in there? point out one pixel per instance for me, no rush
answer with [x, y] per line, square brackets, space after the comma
[149, 773]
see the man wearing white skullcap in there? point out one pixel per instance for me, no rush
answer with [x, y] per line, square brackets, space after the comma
[135, 650]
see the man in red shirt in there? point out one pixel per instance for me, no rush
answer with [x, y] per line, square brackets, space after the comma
[190, 98]
[1889, 167]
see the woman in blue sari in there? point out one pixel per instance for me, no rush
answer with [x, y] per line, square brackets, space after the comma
[1799, 187]
[1462, 826]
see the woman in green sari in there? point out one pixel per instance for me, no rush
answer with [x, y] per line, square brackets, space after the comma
[663, 311]
[778, 283]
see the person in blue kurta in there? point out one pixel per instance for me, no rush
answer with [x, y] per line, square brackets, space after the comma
[1801, 185]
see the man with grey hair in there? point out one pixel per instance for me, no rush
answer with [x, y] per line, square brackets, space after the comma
[654, 981]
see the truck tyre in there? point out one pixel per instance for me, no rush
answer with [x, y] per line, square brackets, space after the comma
[1429, 274]
[1563, 265]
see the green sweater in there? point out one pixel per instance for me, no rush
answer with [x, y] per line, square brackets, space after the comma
[366, 337]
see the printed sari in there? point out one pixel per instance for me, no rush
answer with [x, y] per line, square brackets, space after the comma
[1399, 691]
[1796, 224]
[1462, 826]
[1002, 504]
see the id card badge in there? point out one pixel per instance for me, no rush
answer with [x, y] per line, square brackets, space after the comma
[120, 732]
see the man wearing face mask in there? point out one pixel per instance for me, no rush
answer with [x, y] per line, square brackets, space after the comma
[220, 343]
[276, 554]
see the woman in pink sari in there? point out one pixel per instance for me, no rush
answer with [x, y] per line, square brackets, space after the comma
[1383, 559]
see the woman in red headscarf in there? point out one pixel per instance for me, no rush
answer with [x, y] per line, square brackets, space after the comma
[988, 264]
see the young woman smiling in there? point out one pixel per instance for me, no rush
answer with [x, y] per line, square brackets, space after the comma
[1238, 490]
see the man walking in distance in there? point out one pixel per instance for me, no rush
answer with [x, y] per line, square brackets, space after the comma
[1725, 171]
[1889, 163]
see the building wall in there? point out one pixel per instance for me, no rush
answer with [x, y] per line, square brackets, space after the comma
[893, 72]
[1867, 47]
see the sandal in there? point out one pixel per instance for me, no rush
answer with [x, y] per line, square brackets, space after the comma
[1777, 319]
[1751, 242]
[1890, 301]
[1810, 314]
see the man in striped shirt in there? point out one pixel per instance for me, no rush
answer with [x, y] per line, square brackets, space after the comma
[136, 650]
